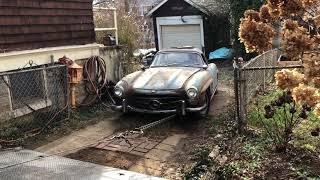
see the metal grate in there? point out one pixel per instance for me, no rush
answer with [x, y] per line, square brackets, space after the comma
[30, 165]
[165, 102]
[31, 100]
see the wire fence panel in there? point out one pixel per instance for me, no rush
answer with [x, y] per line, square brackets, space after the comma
[31, 100]
[253, 77]
[257, 79]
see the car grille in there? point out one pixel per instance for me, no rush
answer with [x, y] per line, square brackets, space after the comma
[155, 102]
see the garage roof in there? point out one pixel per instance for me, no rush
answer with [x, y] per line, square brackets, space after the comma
[208, 7]
[187, 1]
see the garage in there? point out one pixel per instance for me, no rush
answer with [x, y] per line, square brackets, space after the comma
[194, 23]
[177, 31]
[181, 35]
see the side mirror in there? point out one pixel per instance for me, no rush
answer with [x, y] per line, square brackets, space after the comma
[205, 66]
[211, 65]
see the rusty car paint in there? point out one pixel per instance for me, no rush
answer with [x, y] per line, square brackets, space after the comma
[202, 80]
[171, 81]
[164, 78]
[132, 77]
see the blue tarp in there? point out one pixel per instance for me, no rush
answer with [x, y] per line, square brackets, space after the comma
[222, 53]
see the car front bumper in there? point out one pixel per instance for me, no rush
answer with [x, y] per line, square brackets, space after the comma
[181, 110]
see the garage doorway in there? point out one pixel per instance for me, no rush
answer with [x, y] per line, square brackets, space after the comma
[177, 31]
[181, 35]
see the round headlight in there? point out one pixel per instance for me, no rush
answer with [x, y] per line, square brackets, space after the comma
[118, 91]
[192, 93]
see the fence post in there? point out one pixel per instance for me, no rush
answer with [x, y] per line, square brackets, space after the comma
[241, 94]
[275, 56]
[264, 71]
[236, 89]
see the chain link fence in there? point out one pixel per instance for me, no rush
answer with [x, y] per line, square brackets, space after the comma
[253, 77]
[31, 100]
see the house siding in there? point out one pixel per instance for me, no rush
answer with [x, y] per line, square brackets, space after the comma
[33, 24]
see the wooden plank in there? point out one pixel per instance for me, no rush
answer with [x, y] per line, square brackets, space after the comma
[46, 4]
[36, 45]
[32, 29]
[105, 29]
[44, 20]
[14, 11]
[19, 38]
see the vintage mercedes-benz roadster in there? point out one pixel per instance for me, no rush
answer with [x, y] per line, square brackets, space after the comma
[179, 81]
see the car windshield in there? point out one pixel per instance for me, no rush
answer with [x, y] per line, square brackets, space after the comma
[178, 59]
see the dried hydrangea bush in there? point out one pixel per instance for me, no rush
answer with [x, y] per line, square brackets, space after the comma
[300, 38]
[300, 21]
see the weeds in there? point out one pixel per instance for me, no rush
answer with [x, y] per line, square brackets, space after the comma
[203, 163]
[252, 151]
[230, 170]
[249, 161]
[15, 132]
[281, 118]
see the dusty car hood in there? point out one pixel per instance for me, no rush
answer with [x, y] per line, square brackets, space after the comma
[165, 78]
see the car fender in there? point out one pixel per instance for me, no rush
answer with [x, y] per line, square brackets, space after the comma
[127, 82]
[213, 70]
[201, 80]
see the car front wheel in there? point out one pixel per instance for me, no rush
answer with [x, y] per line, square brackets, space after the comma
[205, 111]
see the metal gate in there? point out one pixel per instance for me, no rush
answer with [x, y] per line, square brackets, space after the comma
[31, 100]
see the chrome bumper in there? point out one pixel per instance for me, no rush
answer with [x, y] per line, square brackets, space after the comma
[181, 110]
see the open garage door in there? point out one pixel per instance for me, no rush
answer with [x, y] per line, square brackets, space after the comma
[181, 35]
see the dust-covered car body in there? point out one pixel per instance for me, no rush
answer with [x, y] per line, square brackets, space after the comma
[178, 81]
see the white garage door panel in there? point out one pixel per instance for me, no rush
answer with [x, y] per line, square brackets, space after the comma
[181, 35]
